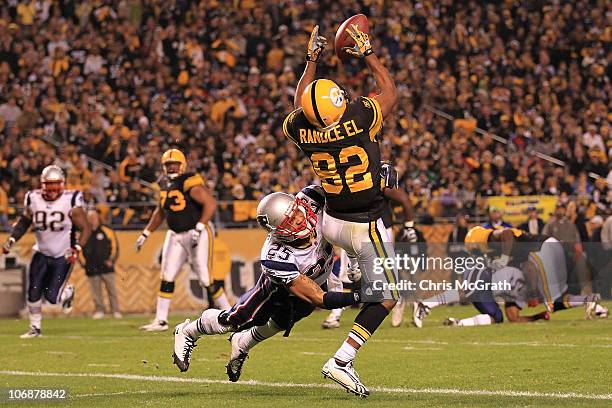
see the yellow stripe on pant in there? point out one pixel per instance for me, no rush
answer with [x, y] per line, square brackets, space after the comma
[379, 248]
[549, 300]
[210, 250]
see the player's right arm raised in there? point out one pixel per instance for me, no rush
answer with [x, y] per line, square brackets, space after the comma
[316, 45]
[157, 218]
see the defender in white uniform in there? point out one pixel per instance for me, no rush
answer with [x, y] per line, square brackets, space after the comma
[296, 263]
[53, 213]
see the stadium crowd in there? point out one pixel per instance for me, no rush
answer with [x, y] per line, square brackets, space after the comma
[120, 81]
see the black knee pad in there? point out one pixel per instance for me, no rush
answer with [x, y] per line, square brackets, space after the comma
[166, 287]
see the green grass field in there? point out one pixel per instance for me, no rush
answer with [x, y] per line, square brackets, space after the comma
[109, 363]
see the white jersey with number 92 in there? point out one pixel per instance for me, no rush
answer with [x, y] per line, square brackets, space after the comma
[51, 222]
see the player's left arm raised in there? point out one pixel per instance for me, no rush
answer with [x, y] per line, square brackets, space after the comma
[201, 195]
[387, 97]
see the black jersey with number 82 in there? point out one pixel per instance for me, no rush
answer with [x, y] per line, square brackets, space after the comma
[346, 158]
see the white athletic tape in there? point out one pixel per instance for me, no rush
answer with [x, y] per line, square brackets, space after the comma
[387, 390]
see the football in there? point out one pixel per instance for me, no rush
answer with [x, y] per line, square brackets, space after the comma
[343, 38]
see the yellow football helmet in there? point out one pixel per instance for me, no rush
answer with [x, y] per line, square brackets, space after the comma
[174, 156]
[477, 238]
[323, 103]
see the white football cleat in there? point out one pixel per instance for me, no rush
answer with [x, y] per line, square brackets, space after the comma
[419, 312]
[397, 314]
[346, 376]
[590, 305]
[97, 315]
[601, 311]
[332, 321]
[67, 298]
[451, 321]
[33, 332]
[237, 358]
[155, 326]
[183, 346]
[117, 315]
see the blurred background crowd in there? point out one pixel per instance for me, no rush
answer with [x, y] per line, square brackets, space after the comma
[103, 87]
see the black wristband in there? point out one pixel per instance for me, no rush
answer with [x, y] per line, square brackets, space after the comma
[336, 300]
[367, 52]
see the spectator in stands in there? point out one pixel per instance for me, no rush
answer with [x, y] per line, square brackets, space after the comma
[4, 204]
[98, 258]
[113, 77]
[496, 219]
[534, 224]
[455, 244]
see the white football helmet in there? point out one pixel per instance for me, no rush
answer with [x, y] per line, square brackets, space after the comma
[52, 180]
[286, 217]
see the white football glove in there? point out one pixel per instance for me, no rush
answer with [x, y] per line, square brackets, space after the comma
[195, 236]
[141, 239]
[6, 248]
[354, 273]
[73, 254]
[409, 233]
[500, 263]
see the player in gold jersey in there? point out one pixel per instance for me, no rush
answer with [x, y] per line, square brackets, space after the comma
[188, 207]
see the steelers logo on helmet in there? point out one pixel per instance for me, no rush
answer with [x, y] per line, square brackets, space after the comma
[336, 96]
[323, 104]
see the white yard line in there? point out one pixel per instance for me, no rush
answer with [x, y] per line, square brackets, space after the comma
[107, 394]
[298, 338]
[103, 365]
[255, 383]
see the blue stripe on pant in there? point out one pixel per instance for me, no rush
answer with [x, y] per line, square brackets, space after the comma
[264, 301]
[47, 276]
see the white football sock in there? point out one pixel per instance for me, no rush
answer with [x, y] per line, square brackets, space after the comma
[449, 296]
[208, 324]
[574, 300]
[221, 301]
[346, 353]
[599, 308]
[478, 320]
[248, 339]
[66, 293]
[35, 313]
[337, 312]
[163, 306]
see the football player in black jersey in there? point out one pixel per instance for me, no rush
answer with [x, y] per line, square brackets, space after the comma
[341, 140]
[187, 206]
